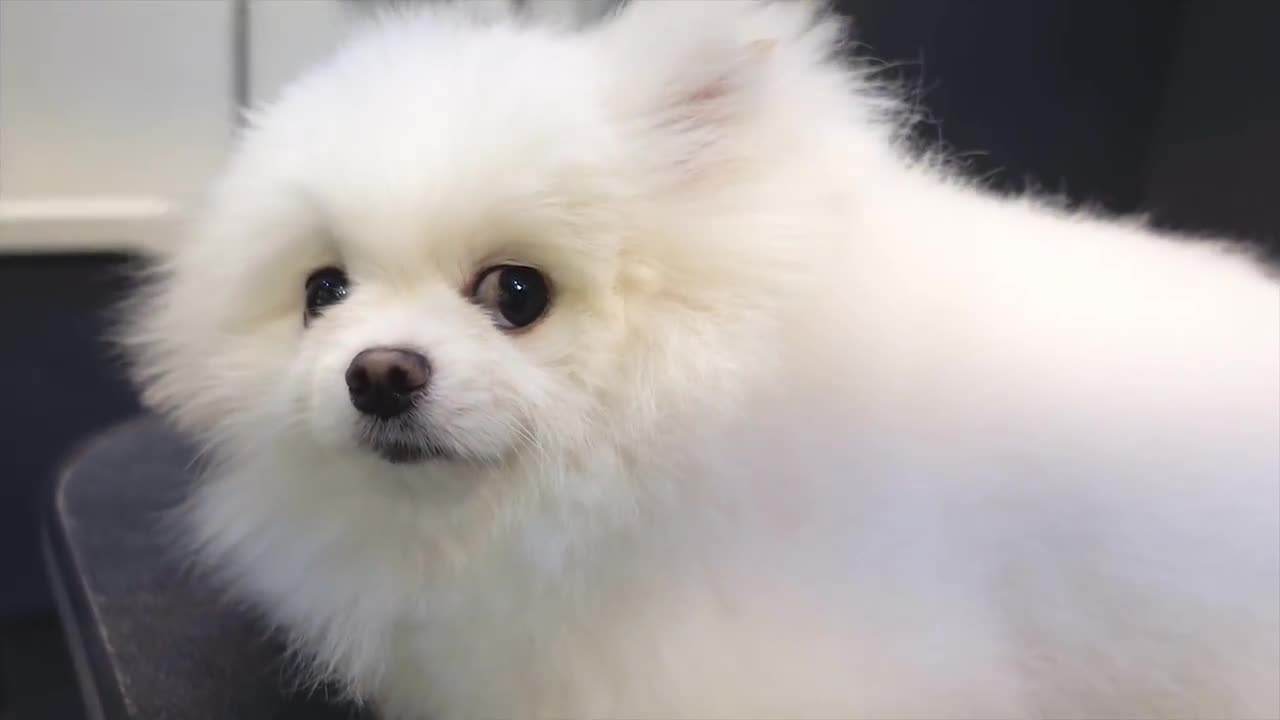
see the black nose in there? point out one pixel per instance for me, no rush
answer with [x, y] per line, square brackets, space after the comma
[383, 381]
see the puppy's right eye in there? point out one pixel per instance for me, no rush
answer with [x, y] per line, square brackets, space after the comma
[325, 287]
[515, 295]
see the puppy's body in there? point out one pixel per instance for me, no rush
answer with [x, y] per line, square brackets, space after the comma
[809, 429]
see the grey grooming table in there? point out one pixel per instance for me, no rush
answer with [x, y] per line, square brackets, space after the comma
[150, 640]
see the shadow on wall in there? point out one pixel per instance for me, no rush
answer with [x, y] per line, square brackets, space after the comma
[1154, 106]
[58, 386]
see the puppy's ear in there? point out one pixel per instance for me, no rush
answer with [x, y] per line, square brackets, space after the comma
[698, 74]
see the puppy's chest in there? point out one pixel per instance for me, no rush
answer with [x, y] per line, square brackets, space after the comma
[541, 622]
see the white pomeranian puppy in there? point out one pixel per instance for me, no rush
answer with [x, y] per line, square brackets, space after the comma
[643, 371]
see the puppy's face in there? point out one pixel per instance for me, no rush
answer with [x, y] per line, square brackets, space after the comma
[409, 284]
[421, 390]
[406, 264]
[551, 251]
[463, 331]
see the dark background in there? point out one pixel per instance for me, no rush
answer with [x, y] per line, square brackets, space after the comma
[1169, 107]
[1163, 106]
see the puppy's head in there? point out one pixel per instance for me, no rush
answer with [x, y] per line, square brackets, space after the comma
[469, 240]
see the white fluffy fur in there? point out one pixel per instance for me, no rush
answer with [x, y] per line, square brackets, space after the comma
[814, 428]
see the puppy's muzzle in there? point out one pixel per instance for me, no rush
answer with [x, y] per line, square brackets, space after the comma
[385, 382]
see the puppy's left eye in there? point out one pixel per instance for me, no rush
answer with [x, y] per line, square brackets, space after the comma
[516, 296]
[325, 287]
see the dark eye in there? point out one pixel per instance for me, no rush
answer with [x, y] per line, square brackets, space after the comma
[516, 296]
[326, 286]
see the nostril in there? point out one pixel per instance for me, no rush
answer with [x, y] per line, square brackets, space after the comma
[408, 373]
[398, 380]
[357, 379]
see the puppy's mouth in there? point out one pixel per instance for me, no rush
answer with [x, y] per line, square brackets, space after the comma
[402, 453]
[399, 444]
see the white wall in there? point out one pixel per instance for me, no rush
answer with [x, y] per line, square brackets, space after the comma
[115, 113]
[286, 36]
[111, 113]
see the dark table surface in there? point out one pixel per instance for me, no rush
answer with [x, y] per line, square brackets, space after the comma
[150, 639]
